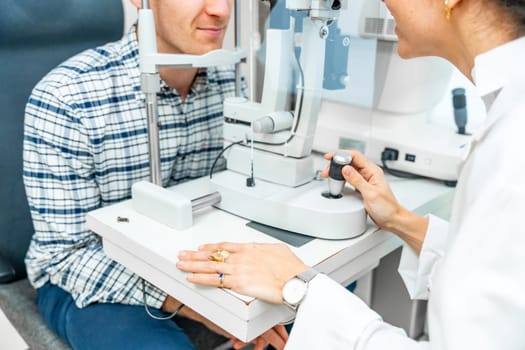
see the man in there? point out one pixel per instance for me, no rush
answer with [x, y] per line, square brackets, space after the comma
[86, 143]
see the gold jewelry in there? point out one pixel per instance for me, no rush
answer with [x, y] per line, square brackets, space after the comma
[448, 10]
[221, 280]
[219, 255]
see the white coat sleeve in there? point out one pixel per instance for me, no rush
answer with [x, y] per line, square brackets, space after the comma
[416, 271]
[330, 317]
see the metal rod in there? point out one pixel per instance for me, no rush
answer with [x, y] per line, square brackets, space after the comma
[238, 89]
[205, 201]
[251, 50]
[153, 138]
[145, 4]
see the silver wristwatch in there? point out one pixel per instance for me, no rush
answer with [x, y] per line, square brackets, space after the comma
[295, 289]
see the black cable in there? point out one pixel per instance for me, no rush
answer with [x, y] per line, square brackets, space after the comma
[159, 318]
[393, 154]
[221, 153]
[400, 174]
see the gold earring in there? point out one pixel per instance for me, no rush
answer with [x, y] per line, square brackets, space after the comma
[448, 9]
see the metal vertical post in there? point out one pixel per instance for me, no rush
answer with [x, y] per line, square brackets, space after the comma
[153, 134]
[150, 82]
[238, 89]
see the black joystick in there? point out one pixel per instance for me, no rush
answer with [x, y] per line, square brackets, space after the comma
[336, 181]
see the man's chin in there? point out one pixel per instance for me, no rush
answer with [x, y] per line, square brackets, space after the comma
[204, 49]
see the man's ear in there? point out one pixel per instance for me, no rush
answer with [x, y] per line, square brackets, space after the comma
[137, 3]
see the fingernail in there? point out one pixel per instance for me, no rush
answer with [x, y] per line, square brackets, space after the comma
[182, 254]
[347, 170]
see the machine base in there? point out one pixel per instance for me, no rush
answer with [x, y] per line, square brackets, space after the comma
[301, 209]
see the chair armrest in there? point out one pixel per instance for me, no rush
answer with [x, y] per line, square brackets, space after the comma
[7, 271]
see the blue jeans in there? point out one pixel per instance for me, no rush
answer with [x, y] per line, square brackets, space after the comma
[108, 326]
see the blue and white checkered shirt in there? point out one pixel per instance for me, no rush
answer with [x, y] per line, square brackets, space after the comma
[86, 143]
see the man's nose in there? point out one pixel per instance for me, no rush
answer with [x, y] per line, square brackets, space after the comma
[219, 8]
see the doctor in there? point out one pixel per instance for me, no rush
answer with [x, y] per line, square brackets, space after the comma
[472, 270]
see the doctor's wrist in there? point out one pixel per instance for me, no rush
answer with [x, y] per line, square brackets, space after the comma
[292, 271]
[410, 227]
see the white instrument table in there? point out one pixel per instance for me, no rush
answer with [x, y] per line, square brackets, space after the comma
[150, 249]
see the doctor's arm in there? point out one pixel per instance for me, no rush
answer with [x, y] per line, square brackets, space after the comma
[424, 237]
[329, 317]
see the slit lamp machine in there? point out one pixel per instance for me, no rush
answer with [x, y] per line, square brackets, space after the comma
[270, 176]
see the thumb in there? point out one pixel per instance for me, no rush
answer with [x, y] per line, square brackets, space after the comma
[354, 178]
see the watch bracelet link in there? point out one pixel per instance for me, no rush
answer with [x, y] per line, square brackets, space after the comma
[308, 275]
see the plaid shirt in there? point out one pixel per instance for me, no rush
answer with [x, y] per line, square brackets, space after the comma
[86, 143]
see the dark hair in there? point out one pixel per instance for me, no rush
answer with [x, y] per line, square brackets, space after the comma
[515, 11]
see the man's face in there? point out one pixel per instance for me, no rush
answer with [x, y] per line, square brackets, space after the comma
[190, 26]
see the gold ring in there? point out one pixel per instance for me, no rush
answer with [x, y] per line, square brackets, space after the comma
[221, 280]
[219, 255]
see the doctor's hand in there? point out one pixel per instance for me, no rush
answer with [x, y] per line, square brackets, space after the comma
[254, 269]
[369, 180]
[257, 270]
[379, 200]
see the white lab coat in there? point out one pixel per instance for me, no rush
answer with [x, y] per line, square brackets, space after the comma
[473, 270]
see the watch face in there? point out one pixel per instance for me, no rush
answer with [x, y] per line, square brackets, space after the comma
[294, 291]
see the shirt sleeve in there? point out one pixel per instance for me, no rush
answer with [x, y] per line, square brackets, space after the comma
[330, 317]
[416, 271]
[61, 187]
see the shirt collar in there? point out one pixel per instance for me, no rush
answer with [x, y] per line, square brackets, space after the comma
[130, 55]
[495, 68]
[200, 84]
[492, 72]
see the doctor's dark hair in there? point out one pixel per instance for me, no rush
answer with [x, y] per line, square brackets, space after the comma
[514, 10]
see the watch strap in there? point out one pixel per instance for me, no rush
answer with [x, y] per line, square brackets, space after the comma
[308, 275]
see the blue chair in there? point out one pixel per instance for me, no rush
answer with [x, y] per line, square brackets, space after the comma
[35, 36]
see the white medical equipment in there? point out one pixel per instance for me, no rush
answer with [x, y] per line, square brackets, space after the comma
[286, 194]
[270, 176]
[265, 138]
[384, 109]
